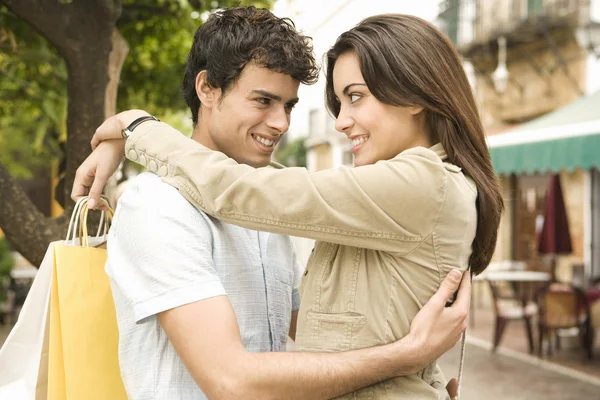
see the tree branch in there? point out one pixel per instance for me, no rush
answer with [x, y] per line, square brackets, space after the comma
[27, 229]
[111, 8]
[56, 21]
[50, 17]
[136, 12]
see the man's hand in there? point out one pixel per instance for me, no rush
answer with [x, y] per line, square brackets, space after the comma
[436, 328]
[452, 388]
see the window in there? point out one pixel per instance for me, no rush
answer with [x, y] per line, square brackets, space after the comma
[531, 195]
[448, 17]
[534, 7]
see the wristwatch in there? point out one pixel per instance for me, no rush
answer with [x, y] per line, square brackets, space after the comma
[125, 133]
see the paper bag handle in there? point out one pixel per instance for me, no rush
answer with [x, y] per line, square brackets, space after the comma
[80, 226]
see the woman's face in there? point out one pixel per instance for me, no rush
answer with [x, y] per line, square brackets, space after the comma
[378, 131]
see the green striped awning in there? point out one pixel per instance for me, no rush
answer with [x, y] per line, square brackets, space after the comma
[568, 138]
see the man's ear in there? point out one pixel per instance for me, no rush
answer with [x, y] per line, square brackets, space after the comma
[207, 95]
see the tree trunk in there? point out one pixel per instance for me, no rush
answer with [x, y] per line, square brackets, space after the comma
[115, 64]
[85, 44]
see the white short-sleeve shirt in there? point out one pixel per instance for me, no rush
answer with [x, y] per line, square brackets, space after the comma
[164, 253]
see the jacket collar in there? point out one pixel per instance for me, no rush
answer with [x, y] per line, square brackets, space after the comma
[439, 150]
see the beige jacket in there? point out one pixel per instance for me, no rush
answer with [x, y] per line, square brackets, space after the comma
[387, 234]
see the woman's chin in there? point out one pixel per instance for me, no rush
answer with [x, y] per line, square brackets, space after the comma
[360, 161]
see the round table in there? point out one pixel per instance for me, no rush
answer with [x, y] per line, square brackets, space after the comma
[514, 276]
[23, 273]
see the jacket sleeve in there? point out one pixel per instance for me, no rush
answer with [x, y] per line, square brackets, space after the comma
[391, 205]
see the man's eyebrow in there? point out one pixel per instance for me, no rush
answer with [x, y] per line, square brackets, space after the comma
[347, 88]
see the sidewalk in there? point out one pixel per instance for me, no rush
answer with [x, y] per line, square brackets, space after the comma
[497, 376]
[515, 339]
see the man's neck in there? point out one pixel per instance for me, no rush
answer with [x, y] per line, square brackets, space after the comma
[201, 135]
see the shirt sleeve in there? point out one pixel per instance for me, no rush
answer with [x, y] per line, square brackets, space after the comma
[391, 205]
[160, 250]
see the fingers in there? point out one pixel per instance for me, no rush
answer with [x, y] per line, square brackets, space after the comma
[95, 141]
[460, 309]
[463, 299]
[447, 288]
[452, 388]
[82, 183]
[96, 189]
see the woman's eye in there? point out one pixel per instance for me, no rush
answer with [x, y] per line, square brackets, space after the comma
[354, 97]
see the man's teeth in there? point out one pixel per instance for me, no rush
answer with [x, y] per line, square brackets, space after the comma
[264, 141]
[359, 140]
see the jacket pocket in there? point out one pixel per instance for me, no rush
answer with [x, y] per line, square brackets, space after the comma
[335, 331]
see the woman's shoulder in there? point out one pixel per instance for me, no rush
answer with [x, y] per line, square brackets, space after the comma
[420, 163]
[423, 154]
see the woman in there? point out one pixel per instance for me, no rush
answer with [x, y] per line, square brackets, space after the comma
[423, 198]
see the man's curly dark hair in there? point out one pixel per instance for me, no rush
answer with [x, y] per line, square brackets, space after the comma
[233, 37]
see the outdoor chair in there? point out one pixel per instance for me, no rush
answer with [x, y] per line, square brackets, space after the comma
[593, 296]
[564, 306]
[510, 307]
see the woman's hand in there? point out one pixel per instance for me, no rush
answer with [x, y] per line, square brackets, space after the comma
[96, 170]
[112, 127]
[107, 145]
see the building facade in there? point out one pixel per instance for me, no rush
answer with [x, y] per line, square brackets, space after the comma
[535, 71]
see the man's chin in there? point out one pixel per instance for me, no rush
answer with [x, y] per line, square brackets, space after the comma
[257, 162]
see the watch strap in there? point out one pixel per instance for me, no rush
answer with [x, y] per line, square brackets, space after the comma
[125, 133]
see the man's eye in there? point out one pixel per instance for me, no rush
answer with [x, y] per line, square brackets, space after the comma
[263, 100]
[354, 97]
[289, 107]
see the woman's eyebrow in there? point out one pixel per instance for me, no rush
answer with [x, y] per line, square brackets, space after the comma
[347, 88]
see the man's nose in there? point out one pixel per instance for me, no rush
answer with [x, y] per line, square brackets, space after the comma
[279, 120]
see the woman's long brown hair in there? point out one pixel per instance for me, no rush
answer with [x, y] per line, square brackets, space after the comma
[406, 61]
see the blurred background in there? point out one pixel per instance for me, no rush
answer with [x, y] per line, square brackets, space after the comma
[534, 66]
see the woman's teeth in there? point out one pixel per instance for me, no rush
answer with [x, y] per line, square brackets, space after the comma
[266, 142]
[359, 140]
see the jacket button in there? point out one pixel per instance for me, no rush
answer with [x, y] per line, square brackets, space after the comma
[132, 155]
[162, 171]
[152, 166]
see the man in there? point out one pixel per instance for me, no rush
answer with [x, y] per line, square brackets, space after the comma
[176, 271]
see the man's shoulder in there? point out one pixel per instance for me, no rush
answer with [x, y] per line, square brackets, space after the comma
[151, 187]
[149, 191]
[148, 198]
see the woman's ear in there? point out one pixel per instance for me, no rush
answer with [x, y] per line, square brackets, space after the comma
[414, 110]
[206, 94]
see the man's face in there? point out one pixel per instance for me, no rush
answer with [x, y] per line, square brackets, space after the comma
[250, 119]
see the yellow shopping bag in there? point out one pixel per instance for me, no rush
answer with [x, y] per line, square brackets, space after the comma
[83, 343]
